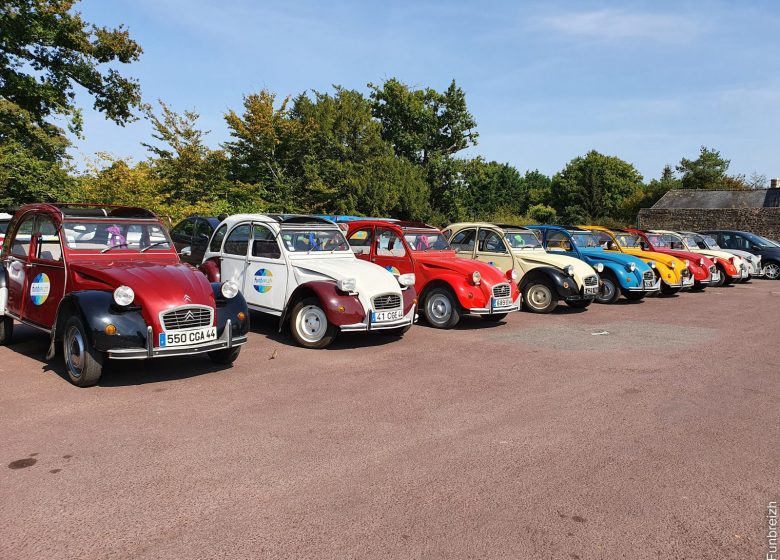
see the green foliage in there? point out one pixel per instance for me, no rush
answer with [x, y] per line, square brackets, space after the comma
[542, 214]
[26, 178]
[708, 171]
[492, 185]
[593, 187]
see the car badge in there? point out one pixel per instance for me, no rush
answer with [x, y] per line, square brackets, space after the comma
[187, 298]
[190, 316]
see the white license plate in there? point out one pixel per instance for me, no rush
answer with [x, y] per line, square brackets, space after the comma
[689, 280]
[649, 284]
[594, 291]
[386, 316]
[716, 276]
[187, 338]
[502, 302]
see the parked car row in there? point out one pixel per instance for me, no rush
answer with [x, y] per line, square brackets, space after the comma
[110, 282]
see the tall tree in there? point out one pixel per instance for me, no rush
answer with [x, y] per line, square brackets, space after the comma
[593, 187]
[708, 171]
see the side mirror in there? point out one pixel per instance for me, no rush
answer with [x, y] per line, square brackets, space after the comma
[186, 252]
[612, 246]
[203, 236]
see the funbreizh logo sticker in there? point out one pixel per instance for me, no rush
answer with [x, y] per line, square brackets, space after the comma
[263, 281]
[39, 289]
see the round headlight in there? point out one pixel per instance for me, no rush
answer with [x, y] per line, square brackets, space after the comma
[512, 274]
[673, 265]
[569, 270]
[687, 263]
[631, 267]
[651, 264]
[476, 277]
[229, 289]
[407, 279]
[124, 295]
[599, 267]
[701, 262]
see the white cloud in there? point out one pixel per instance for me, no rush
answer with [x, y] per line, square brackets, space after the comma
[615, 25]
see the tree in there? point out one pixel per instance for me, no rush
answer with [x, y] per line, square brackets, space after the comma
[593, 187]
[537, 188]
[46, 50]
[542, 214]
[490, 186]
[708, 171]
[648, 195]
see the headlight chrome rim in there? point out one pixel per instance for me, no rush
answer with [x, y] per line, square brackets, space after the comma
[229, 289]
[124, 295]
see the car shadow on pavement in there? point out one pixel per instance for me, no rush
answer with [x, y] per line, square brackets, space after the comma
[32, 343]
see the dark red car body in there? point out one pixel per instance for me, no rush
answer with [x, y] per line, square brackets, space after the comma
[700, 266]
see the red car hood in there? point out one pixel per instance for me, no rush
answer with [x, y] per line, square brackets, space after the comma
[157, 286]
[446, 260]
[686, 255]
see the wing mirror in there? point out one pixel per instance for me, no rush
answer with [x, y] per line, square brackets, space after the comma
[186, 252]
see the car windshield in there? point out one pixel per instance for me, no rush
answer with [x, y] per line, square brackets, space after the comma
[710, 243]
[430, 240]
[104, 235]
[306, 240]
[584, 239]
[760, 241]
[522, 240]
[666, 241]
[628, 240]
[693, 242]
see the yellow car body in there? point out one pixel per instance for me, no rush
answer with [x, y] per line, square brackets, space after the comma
[672, 271]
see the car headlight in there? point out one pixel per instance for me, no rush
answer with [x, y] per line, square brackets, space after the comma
[631, 267]
[124, 295]
[673, 265]
[229, 289]
[511, 274]
[346, 284]
[476, 277]
[569, 270]
[407, 279]
[701, 262]
[687, 263]
[651, 264]
[599, 267]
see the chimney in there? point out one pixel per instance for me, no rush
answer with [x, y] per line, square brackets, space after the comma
[774, 184]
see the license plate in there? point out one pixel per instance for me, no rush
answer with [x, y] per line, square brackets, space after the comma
[689, 280]
[594, 291]
[649, 284]
[386, 316]
[187, 338]
[716, 276]
[502, 302]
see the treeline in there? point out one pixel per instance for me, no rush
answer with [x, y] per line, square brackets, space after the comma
[392, 150]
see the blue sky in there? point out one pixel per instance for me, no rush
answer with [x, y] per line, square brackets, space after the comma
[649, 82]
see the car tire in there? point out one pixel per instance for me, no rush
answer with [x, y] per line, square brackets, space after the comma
[634, 296]
[610, 291]
[580, 303]
[84, 364]
[722, 280]
[310, 326]
[667, 290]
[441, 309]
[6, 330]
[698, 287]
[226, 356]
[771, 270]
[494, 318]
[539, 297]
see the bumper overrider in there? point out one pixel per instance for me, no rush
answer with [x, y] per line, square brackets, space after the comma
[232, 335]
[409, 309]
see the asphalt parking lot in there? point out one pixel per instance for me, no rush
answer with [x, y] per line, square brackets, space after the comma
[646, 430]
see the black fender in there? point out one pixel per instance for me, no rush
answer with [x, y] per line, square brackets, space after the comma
[565, 285]
[230, 309]
[96, 309]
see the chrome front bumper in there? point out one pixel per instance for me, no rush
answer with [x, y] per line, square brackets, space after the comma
[407, 319]
[494, 310]
[227, 340]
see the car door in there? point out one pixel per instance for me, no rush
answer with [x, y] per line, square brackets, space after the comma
[492, 249]
[235, 254]
[200, 241]
[46, 274]
[181, 235]
[265, 281]
[464, 243]
[16, 263]
[389, 251]
[361, 241]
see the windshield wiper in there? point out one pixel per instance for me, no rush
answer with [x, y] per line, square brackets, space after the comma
[153, 245]
[107, 249]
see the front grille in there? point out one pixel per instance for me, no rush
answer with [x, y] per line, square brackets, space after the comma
[591, 280]
[387, 301]
[713, 269]
[187, 317]
[685, 273]
[648, 275]
[501, 290]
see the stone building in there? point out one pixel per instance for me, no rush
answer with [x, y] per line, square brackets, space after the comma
[756, 210]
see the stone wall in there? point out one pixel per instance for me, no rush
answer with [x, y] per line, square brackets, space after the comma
[761, 221]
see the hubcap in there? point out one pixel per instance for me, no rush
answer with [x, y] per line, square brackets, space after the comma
[74, 350]
[772, 271]
[609, 291]
[312, 323]
[539, 296]
[439, 308]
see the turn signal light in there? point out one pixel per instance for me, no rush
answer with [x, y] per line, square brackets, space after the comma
[110, 329]
[241, 315]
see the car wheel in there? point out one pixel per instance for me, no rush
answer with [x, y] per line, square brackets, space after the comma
[226, 356]
[772, 270]
[310, 326]
[441, 309]
[610, 289]
[722, 280]
[667, 290]
[494, 318]
[634, 296]
[84, 363]
[579, 303]
[698, 287]
[6, 330]
[539, 298]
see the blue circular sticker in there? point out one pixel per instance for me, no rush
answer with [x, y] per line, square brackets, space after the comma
[39, 289]
[263, 281]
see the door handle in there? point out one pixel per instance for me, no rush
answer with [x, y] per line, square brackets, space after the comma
[28, 265]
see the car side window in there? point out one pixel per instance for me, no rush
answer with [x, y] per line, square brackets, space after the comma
[360, 241]
[558, 241]
[264, 244]
[49, 246]
[464, 240]
[389, 244]
[491, 241]
[203, 229]
[603, 239]
[237, 243]
[216, 241]
[20, 247]
[739, 242]
[184, 229]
